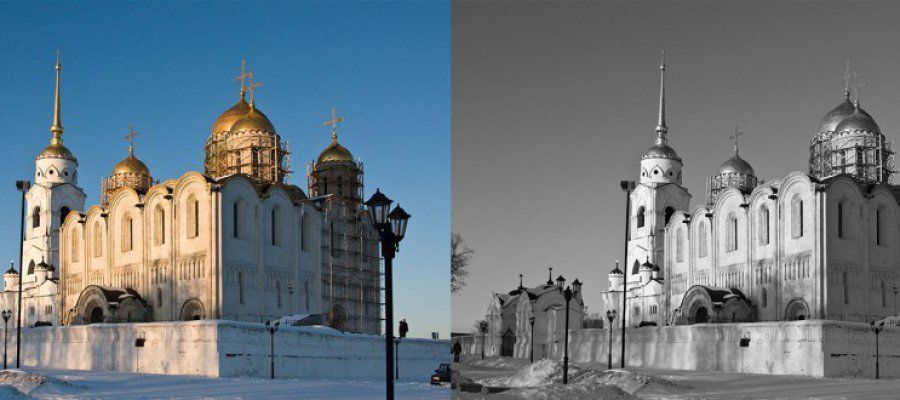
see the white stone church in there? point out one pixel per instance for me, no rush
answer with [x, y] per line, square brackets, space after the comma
[233, 242]
[818, 244]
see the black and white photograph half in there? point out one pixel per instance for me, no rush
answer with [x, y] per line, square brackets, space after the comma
[675, 200]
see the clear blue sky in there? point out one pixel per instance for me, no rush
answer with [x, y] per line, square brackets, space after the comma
[168, 68]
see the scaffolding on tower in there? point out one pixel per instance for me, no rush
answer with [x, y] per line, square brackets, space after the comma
[866, 156]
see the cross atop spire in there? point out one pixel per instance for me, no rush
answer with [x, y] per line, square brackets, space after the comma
[734, 138]
[252, 87]
[661, 128]
[550, 276]
[848, 76]
[243, 77]
[333, 122]
[56, 128]
[130, 138]
[520, 282]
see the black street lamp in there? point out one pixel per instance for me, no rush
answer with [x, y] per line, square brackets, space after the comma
[391, 227]
[483, 327]
[23, 187]
[531, 321]
[6, 315]
[877, 328]
[627, 187]
[568, 293]
[610, 315]
[272, 327]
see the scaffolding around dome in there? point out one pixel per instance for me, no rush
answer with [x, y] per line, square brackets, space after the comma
[866, 156]
[262, 158]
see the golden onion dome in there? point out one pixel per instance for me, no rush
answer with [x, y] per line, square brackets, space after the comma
[858, 121]
[736, 166]
[56, 150]
[253, 120]
[131, 165]
[335, 153]
[836, 115]
[230, 116]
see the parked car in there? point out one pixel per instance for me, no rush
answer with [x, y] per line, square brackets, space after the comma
[441, 375]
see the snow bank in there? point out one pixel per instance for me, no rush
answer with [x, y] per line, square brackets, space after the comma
[538, 374]
[22, 384]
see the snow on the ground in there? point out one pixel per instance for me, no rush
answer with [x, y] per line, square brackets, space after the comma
[538, 374]
[58, 384]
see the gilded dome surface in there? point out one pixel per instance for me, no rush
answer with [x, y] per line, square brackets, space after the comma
[335, 152]
[736, 165]
[661, 151]
[858, 121]
[131, 165]
[56, 151]
[253, 120]
[836, 115]
[230, 116]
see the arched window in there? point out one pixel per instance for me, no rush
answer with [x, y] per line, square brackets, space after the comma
[36, 217]
[679, 246]
[196, 215]
[192, 208]
[846, 283]
[763, 226]
[636, 267]
[75, 246]
[63, 212]
[98, 240]
[640, 217]
[732, 234]
[275, 238]
[796, 217]
[127, 228]
[669, 212]
[31, 267]
[878, 224]
[765, 297]
[159, 225]
[305, 231]
[702, 240]
[840, 220]
[236, 217]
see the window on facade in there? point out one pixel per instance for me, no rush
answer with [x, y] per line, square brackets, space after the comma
[883, 294]
[637, 311]
[654, 309]
[127, 233]
[840, 220]
[878, 232]
[159, 299]
[640, 217]
[275, 238]
[846, 283]
[731, 236]
[278, 293]
[763, 226]
[98, 240]
[62, 214]
[75, 246]
[195, 219]
[306, 234]
[765, 297]
[159, 219]
[669, 212]
[679, 246]
[796, 217]
[48, 310]
[36, 217]
[31, 310]
[702, 239]
[236, 216]
[240, 287]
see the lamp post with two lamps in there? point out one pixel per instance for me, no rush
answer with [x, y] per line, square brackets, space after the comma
[6, 315]
[391, 227]
[569, 293]
[272, 327]
[22, 186]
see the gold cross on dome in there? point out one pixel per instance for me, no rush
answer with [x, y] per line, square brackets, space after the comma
[130, 137]
[252, 86]
[734, 137]
[333, 122]
[243, 77]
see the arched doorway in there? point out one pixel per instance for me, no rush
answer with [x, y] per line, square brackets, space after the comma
[96, 315]
[337, 318]
[508, 344]
[701, 316]
[192, 310]
[797, 310]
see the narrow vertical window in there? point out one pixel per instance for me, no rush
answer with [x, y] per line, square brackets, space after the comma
[278, 293]
[840, 220]
[159, 298]
[846, 283]
[36, 217]
[878, 227]
[305, 239]
[702, 246]
[274, 226]
[640, 217]
[127, 240]
[75, 246]
[883, 294]
[160, 225]
[679, 246]
[240, 287]
[796, 217]
[234, 220]
[764, 226]
[765, 297]
[98, 242]
[196, 218]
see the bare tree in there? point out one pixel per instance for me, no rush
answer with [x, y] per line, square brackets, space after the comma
[460, 255]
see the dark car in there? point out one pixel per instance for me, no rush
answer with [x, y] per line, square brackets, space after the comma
[441, 375]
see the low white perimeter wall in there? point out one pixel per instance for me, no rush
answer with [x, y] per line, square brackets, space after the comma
[813, 348]
[223, 349]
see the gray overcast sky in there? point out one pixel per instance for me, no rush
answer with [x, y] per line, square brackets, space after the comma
[553, 104]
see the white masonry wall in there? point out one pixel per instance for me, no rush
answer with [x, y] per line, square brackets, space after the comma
[223, 349]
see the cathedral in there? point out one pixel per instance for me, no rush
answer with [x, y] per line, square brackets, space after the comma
[235, 241]
[817, 244]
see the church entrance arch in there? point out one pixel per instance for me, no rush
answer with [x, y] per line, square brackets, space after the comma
[508, 344]
[96, 315]
[797, 310]
[337, 318]
[701, 315]
[192, 310]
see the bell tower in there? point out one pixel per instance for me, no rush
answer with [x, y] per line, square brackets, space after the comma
[54, 194]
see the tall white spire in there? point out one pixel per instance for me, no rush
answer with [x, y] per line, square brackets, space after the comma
[661, 128]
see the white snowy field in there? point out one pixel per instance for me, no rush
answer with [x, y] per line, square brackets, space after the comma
[59, 384]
